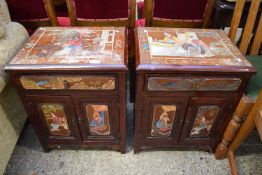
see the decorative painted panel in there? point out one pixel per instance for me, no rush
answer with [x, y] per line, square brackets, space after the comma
[194, 47]
[85, 45]
[68, 82]
[55, 117]
[98, 117]
[163, 118]
[204, 121]
[184, 84]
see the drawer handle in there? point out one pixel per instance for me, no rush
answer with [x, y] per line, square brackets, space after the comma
[66, 84]
[195, 85]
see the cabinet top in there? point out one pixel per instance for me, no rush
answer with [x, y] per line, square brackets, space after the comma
[187, 49]
[73, 48]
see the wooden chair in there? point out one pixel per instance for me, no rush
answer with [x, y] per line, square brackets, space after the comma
[102, 12]
[248, 109]
[33, 13]
[178, 13]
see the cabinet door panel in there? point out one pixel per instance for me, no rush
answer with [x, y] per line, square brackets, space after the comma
[162, 119]
[55, 118]
[98, 118]
[55, 115]
[205, 120]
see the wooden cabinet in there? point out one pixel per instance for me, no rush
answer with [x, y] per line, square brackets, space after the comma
[72, 82]
[188, 83]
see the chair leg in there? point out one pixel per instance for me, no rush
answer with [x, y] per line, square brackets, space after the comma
[258, 123]
[244, 106]
[248, 124]
[232, 163]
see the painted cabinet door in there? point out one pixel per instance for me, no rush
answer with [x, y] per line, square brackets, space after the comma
[205, 121]
[162, 118]
[98, 118]
[53, 118]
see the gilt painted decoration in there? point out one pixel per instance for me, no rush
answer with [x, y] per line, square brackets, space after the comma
[55, 119]
[205, 118]
[98, 117]
[196, 47]
[163, 118]
[68, 82]
[56, 45]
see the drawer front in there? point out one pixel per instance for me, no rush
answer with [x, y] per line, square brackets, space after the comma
[68, 82]
[193, 83]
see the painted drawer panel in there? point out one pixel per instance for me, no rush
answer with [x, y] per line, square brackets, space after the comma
[68, 82]
[192, 83]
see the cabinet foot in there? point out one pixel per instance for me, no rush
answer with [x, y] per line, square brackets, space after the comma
[136, 149]
[122, 149]
[46, 149]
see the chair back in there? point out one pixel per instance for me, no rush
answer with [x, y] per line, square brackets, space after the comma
[101, 12]
[33, 13]
[252, 34]
[178, 13]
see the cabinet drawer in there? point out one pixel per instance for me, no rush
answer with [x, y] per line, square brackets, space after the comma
[192, 83]
[69, 82]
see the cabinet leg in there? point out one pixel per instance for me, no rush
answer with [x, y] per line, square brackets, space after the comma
[123, 149]
[136, 150]
[46, 149]
[243, 108]
[137, 145]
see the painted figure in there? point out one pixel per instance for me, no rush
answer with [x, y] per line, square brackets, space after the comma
[163, 120]
[72, 44]
[204, 121]
[98, 119]
[56, 119]
[57, 122]
[162, 123]
[185, 44]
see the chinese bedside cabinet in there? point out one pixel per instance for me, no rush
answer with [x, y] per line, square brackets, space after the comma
[72, 82]
[189, 82]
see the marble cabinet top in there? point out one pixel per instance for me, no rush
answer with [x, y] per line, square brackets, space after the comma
[71, 46]
[187, 47]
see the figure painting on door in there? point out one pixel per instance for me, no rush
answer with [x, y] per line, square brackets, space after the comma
[98, 117]
[163, 118]
[55, 119]
[205, 118]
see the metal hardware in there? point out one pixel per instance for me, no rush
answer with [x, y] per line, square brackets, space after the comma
[80, 119]
[66, 84]
[195, 85]
[73, 120]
